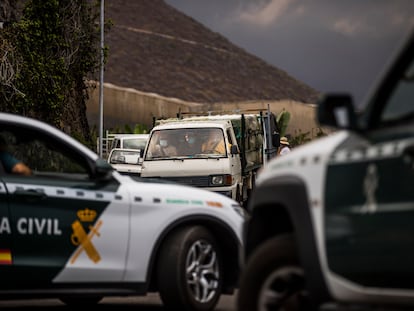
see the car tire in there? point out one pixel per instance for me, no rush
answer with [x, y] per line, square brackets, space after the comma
[273, 279]
[189, 270]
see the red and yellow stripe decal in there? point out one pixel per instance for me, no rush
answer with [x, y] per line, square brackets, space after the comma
[5, 257]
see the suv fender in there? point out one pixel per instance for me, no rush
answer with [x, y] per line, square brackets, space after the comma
[280, 205]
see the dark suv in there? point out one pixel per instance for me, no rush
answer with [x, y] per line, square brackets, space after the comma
[332, 223]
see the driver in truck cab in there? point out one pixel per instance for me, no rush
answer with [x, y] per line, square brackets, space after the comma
[164, 146]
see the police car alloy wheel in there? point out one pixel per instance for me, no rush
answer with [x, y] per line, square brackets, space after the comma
[189, 270]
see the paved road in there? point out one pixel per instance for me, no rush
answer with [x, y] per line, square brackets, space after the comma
[150, 302]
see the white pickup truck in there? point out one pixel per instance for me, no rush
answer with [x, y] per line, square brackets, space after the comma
[230, 171]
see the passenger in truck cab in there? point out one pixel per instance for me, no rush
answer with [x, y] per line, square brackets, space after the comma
[190, 144]
[215, 143]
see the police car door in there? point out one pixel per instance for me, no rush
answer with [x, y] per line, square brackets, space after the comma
[370, 199]
[60, 221]
[5, 234]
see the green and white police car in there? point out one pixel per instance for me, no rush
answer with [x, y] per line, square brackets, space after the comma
[78, 230]
[332, 222]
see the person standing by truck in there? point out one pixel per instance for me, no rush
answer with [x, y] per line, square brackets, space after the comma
[284, 146]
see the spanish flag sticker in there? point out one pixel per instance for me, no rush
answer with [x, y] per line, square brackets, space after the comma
[5, 257]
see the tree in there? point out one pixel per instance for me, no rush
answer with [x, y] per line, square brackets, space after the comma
[50, 52]
[282, 120]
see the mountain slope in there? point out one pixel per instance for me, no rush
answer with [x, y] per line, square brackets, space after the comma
[155, 48]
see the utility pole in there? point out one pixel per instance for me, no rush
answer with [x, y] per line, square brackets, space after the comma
[101, 81]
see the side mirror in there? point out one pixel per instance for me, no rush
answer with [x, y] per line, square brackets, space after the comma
[234, 149]
[102, 169]
[336, 110]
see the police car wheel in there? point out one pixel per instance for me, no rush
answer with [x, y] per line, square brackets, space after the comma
[81, 301]
[273, 279]
[189, 270]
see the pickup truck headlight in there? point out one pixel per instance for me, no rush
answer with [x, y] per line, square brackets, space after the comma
[220, 180]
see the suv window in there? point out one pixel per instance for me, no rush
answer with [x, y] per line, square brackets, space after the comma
[400, 105]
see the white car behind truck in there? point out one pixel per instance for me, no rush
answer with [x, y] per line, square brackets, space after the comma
[231, 173]
[130, 141]
[126, 161]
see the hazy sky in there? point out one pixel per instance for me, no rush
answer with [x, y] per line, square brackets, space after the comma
[331, 45]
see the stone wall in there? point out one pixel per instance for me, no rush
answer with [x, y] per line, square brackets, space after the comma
[124, 106]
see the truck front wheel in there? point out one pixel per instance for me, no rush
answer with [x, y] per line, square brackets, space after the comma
[273, 279]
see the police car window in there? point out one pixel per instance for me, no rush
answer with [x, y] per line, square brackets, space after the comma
[401, 103]
[43, 156]
[44, 159]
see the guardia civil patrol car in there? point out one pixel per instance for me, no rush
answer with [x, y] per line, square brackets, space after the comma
[78, 230]
[332, 223]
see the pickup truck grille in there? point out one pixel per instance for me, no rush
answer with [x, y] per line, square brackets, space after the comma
[195, 181]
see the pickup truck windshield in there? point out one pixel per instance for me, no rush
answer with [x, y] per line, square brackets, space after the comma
[186, 143]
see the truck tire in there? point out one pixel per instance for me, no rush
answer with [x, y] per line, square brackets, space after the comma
[239, 197]
[273, 279]
[189, 270]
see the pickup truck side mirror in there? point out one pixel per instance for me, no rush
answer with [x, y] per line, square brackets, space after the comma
[336, 110]
[234, 149]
